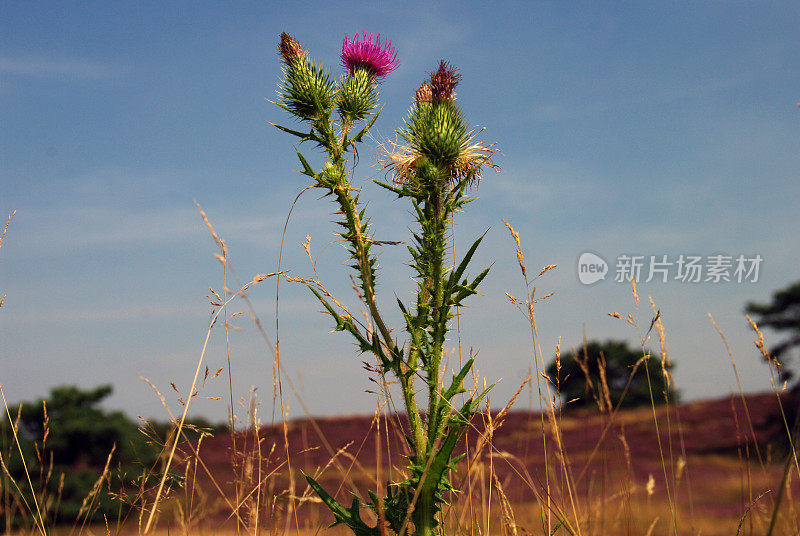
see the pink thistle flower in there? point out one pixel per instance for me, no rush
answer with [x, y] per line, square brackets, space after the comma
[362, 53]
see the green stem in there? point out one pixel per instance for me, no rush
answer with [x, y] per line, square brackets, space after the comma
[357, 238]
[436, 246]
[434, 243]
[424, 512]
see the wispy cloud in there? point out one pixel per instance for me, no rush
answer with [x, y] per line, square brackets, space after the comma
[633, 92]
[546, 185]
[161, 310]
[73, 68]
[128, 313]
[55, 230]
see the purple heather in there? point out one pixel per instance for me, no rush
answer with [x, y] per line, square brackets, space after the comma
[362, 53]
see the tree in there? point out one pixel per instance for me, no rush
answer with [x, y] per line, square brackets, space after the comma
[781, 314]
[582, 378]
[80, 433]
[66, 440]
[69, 434]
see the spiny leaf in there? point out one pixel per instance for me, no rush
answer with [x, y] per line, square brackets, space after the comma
[457, 273]
[302, 135]
[307, 170]
[466, 290]
[400, 191]
[349, 517]
[357, 138]
[455, 386]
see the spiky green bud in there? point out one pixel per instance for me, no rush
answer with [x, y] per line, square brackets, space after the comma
[332, 176]
[306, 91]
[438, 131]
[358, 96]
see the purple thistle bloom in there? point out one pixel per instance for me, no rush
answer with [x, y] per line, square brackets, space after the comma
[362, 53]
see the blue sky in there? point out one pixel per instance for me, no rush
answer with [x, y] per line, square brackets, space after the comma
[635, 128]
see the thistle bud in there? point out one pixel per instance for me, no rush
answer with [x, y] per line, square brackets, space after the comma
[290, 48]
[357, 97]
[439, 149]
[306, 91]
[443, 83]
[424, 93]
[332, 175]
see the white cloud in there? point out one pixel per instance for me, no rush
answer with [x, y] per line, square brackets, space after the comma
[419, 55]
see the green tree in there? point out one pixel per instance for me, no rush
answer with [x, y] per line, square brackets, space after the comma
[581, 377]
[66, 440]
[781, 314]
[80, 432]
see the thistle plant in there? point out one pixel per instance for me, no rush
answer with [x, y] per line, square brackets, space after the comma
[433, 164]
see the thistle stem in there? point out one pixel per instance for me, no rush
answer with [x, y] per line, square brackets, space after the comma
[436, 247]
[359, 241]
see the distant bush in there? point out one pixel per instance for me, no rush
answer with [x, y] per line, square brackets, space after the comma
[782, 314]
[600, 372]
[67, 441]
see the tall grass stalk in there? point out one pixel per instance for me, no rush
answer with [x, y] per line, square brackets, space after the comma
[544, 402]
[39, 518]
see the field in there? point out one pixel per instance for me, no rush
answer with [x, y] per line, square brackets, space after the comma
[606, 472]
